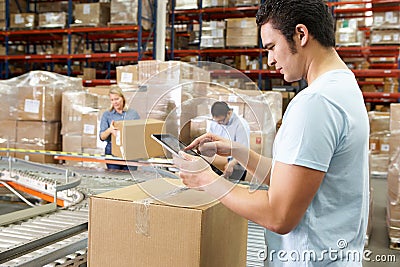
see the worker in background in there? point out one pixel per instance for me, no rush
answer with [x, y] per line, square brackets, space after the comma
[318, 195]
[118, 111]
[226, 123]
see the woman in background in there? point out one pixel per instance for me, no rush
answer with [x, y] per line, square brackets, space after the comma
[118, 111]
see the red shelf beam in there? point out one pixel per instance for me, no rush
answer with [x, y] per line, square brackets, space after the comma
[71, 30]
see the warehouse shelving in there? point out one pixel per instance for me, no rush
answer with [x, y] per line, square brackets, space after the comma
[197, 16]
[104, 35]
[381, 69]
[377, 55]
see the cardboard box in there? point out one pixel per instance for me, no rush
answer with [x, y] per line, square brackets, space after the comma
[89, 73]
[133, 139]
[127, 75]
[379, 121]
[39, 103]
[22, 20]
[92, 14]
[72, 143]
[188, 228]
[52, 19]
[394, 117]
[385, 37]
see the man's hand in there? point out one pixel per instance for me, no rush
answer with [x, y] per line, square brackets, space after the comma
[210, 144]
[194, 171]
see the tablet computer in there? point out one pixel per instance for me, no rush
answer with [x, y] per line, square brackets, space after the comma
[173, 145]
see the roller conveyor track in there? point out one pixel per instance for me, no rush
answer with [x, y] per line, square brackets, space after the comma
[60, 238]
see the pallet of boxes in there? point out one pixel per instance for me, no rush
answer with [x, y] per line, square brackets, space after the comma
[393, 180]
[32, 113]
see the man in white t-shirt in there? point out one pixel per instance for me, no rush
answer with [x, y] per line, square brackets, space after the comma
[316, 208]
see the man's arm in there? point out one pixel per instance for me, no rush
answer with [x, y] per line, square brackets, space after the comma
[279, 209]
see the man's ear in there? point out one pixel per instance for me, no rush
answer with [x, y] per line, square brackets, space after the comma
[302, 34]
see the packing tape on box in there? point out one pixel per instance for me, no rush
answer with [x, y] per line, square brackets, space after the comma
[142, 209]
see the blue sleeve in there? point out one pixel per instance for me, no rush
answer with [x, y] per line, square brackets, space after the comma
[131, 114]
[243, 133]
[104, 122]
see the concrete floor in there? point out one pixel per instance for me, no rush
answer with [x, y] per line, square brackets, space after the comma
[379, 241]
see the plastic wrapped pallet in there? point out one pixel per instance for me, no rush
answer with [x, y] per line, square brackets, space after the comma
[38, 135]
[38, 94]
[8, 101]
[8, 133]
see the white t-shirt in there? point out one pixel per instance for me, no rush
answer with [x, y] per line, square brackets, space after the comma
[237, 129]
[326, 128]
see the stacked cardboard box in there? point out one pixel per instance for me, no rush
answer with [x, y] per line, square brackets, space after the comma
[92, 14]
[393, 179]
[379, 142]
[212, 34]
[52, 19]
[242, 32]
[385, 37]
[33, 108]
[23, 21]
[348, 33]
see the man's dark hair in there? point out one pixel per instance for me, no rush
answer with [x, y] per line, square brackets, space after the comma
[284, 15]
[219, 108]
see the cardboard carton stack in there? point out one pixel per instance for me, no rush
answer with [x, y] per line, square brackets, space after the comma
[242, 32]
[127, 225]
[393, 179]
[348, 33]
[379, 143]
[213, 34]
[33, 107]
[385, 27]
